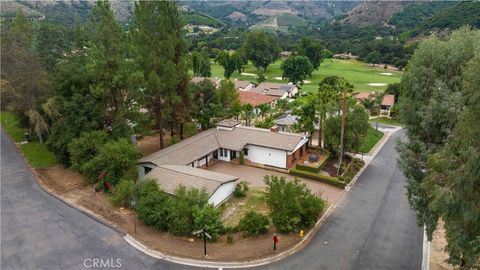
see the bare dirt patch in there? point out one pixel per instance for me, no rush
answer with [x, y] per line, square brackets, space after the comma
[438, 255]
[71, 187]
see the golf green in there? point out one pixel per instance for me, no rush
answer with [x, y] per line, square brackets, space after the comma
[363, 76]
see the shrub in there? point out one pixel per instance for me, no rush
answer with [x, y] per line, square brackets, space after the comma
[152, 208]
[180, 216]
[351, 170]
[85, 148]
[116, 158]
[144, 187]
[123, 193]
[241, 190]
[241, 159]
[253, 224]
[319, 177]
[208, 217]
[301, 167]
[229, 239]
[292, 206]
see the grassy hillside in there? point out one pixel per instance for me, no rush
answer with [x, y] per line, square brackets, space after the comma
[359, 73]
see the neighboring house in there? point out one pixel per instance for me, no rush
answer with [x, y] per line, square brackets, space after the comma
[243, 85]
[345, 56]
[225, 142]
[387, 103]
[256, 99]
[215, 81]
[364, 96]
[287, 121]
[280, 90]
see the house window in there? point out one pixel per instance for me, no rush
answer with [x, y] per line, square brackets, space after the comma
[245, 151]
[147, 170]
[225, 152]
[221, 152]
[301, 151]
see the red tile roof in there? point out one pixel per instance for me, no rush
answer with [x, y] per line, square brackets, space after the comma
[363, 96]
[388, 100]
[254, 98]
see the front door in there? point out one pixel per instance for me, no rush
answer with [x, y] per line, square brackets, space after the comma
[215, 154]
[233, 154]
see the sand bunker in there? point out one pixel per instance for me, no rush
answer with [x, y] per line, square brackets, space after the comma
[248, 74]
[278, 78]
[387, 73]
[306, 81]
[377, 84]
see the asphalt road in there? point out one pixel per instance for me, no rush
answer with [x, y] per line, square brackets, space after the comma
[41, 232]
[372, 228]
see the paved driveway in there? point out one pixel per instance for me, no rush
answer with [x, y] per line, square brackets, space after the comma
[255, 176]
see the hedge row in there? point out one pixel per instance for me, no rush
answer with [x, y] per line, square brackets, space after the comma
[306, 168]
[319, 177]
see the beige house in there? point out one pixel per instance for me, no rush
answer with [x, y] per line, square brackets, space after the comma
[280, 90]
[181, 163]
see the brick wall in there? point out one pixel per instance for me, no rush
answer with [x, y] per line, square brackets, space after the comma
[295, 156]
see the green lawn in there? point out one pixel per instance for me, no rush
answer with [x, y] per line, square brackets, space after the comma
[373, 136]
[10, 125]
[386, 121]
[37, 154]
[358, 73]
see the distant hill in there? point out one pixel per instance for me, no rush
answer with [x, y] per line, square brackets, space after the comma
[374, 12]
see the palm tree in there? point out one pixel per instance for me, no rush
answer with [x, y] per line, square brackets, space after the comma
[247, 109]
[342, 90]
[264, 108]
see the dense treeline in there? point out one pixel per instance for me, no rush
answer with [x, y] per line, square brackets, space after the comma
[439, 106]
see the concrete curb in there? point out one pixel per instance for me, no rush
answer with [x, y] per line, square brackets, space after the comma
[57, 197]
[425, 250]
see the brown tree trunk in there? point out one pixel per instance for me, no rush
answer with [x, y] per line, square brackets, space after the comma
[342, 131]
[181, 130]
[159, 120]
[320, 130]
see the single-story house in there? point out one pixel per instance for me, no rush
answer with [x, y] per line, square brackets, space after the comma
[218, 186]
[215, 81]
[226, 142]
[256, 99]
[286, 121]
[243, 85]
[364, 96]
[387, 103]
[280, 90]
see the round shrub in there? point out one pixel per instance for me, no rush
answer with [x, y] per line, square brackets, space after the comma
[241, 190]
[253, 224]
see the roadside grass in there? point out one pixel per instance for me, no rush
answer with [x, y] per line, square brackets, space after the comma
[372, 137]
[10, 125]
[386, 121]
[360, 74]
[36, 154]
[236, 208]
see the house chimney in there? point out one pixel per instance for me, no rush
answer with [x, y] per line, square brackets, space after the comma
[275, 129]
